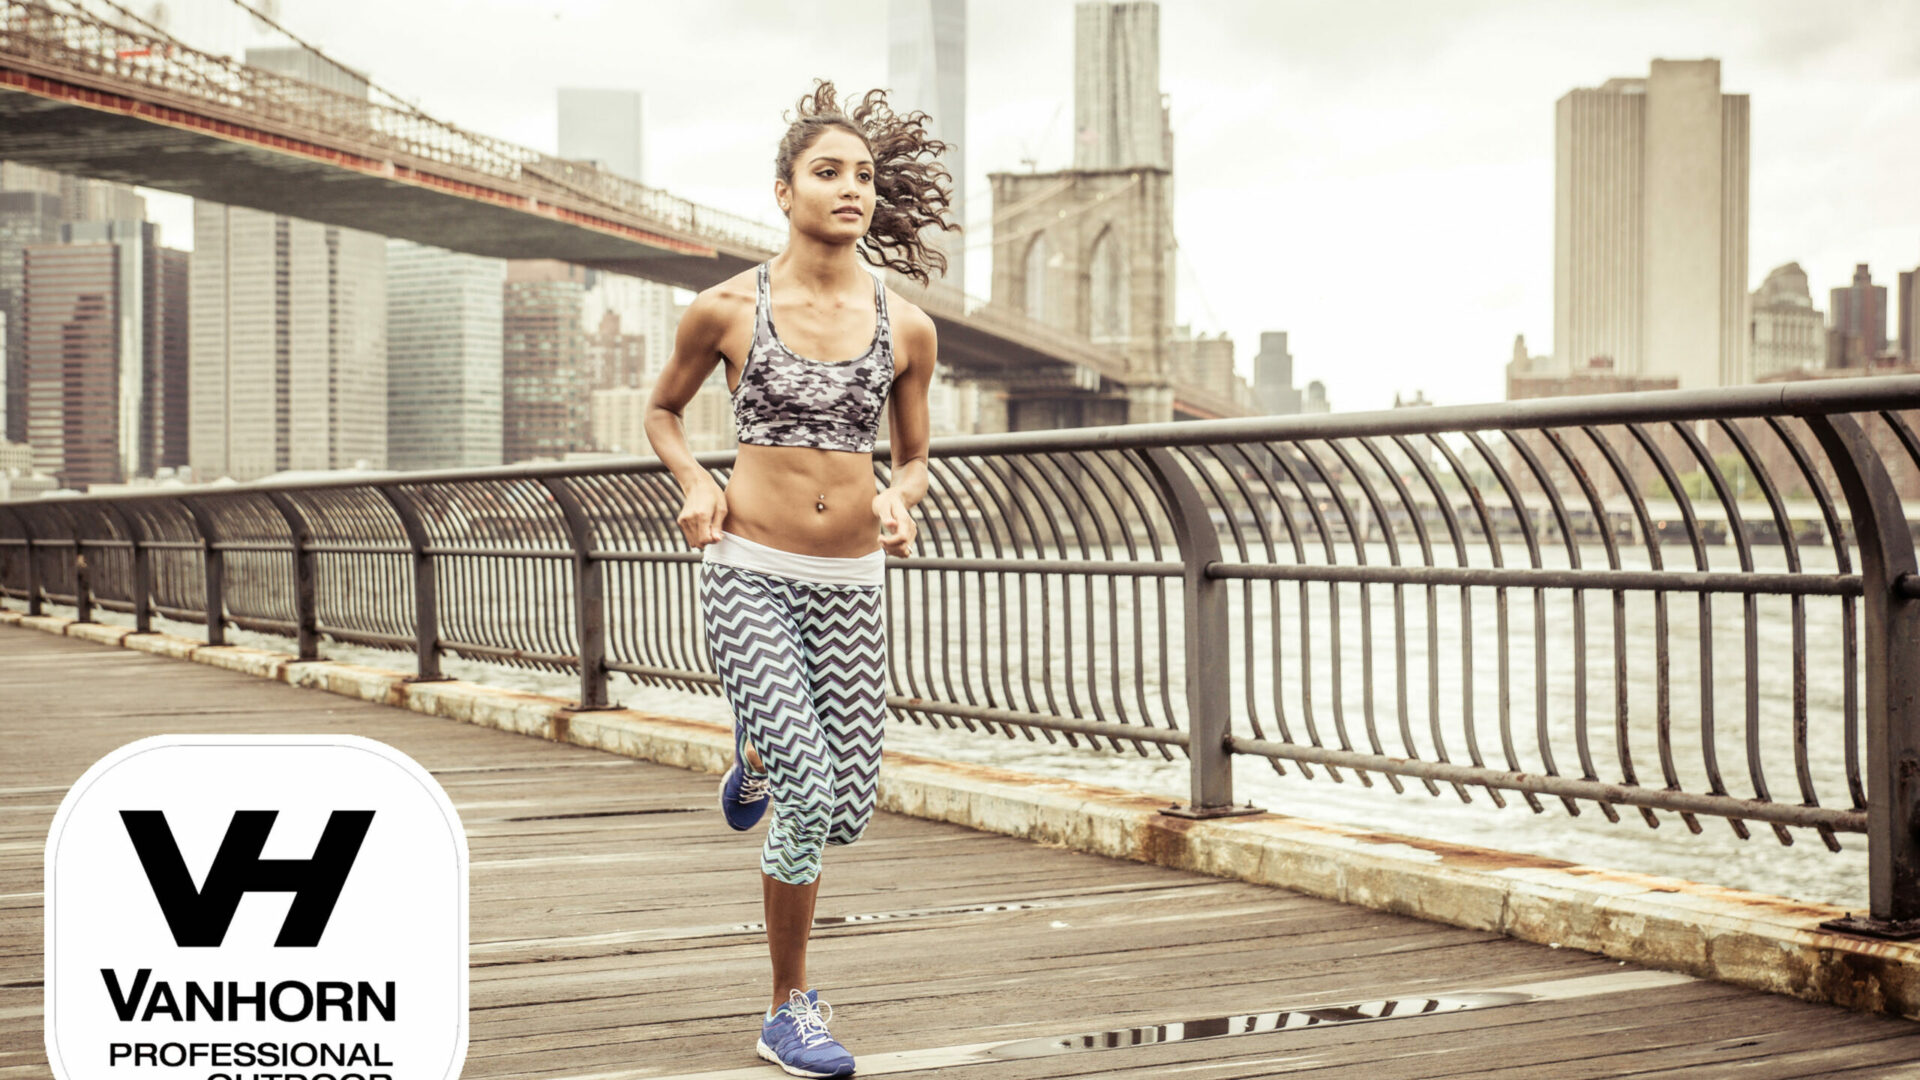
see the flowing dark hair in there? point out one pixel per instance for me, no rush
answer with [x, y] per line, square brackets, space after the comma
[913, 190]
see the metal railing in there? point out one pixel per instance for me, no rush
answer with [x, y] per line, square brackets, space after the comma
[1692, 602]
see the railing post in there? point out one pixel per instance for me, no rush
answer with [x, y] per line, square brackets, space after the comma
[588, 602]
[306, 616]
[214, 567]
[1204, 621]
[141, 585]
[82, 590]
[426, 595]
[1891, 632]
[33, 566]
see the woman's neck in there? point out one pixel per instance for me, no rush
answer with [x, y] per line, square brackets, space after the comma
[819, 268]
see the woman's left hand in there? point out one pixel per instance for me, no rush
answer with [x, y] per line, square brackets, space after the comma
[891, 509]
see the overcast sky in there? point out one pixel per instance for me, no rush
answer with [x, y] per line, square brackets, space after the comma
[1375, 176]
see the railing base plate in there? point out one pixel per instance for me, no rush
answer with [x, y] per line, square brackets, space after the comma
[1868, 926]
[1205, 812]
[574, 707]
[427, 678]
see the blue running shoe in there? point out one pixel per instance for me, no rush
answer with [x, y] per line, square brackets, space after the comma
[796, 1039]
[743, 798]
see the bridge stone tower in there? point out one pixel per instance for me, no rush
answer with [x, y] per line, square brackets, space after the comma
[1089, 250]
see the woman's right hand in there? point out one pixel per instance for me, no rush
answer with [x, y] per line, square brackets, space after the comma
[702, 514]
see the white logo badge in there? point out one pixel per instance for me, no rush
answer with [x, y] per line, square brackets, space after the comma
[221, 907]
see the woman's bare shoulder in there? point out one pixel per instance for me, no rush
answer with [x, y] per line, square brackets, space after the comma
[726, 297]
[912, 326]
[717, 309]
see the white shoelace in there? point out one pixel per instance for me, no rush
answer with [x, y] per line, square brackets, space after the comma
[807, 1021]
[752, 788]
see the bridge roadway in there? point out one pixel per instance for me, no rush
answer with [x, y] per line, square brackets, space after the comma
[608, 898]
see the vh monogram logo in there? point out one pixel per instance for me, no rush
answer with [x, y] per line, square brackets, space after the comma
[238, 907]
[200, 918]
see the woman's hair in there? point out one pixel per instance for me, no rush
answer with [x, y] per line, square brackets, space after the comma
[913, 190]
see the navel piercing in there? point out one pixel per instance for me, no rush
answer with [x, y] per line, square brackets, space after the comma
[822, 504]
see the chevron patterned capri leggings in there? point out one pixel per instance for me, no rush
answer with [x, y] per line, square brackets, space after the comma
[803, 665]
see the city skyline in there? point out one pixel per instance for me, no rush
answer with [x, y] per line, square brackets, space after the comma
[1413, 169]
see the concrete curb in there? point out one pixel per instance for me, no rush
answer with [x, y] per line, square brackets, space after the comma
[1748, 939]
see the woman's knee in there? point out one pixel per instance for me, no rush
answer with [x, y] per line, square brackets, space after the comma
[802, 823]
[847, 831]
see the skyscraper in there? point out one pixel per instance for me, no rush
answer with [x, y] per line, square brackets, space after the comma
[602, 126]
[1859, 312]
[288, 328]
[289, 352]
[132, 248]
[443, 357]
[74, 327]
[927, 71]
[1910, 317]
[546, 402]
[34, 203]
[101, 348]
[1119, 119]
[169, 385]
[1650, 226]
[1273, 375]
[26, 218]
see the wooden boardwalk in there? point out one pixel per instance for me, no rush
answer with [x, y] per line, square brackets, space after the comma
[611, 934]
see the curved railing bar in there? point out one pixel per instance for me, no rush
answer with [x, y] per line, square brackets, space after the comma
[1495, 551]
[944, 488]
[1415, 515]
[1458, 539]
[1790, 549]
[1663, 722]
[1736, 523]
[1604, 521]
[1564, 522]
[1380, 514]
[1325, 535]
[1849, 630]
[1249, 637]
[1527, 532]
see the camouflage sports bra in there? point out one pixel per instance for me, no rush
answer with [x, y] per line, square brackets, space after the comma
[787, 400]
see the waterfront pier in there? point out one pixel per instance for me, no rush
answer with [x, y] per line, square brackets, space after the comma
[614, 931]
[1200, 594]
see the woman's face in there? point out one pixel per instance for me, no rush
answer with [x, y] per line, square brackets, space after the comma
[831, 195]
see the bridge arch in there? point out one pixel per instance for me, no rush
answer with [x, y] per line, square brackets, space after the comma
[1035, 295]
[1109, 306]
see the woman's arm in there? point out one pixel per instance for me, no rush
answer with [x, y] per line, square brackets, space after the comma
[696, 350]
[908, 430]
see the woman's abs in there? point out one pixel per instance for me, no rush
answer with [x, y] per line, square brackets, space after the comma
[774, 494]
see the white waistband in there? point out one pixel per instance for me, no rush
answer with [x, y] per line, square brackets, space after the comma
[732, 550]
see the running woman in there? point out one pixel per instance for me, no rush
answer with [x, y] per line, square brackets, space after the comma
[794, 548]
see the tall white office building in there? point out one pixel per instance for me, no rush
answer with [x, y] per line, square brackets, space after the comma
[927, 71]
[443, 357]
[288, 365]
[1650, 226]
